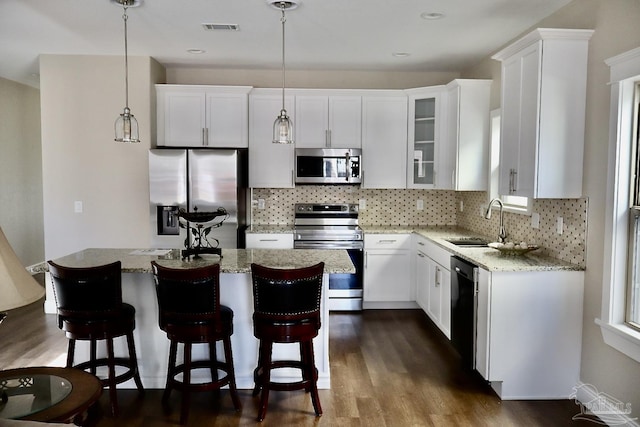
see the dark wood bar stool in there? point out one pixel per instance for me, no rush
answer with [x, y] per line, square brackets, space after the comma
[190, 313]
[90, 308]
[286, 310]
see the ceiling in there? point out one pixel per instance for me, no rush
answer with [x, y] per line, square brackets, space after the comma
[320, 34]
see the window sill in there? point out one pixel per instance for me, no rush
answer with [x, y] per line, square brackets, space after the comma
[622, 338]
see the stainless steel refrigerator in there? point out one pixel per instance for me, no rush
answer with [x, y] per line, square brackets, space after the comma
[197, 180]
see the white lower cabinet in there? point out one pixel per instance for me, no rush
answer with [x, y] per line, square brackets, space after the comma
[433, 283]
[529, 332]
[387, 271]
[269, 240]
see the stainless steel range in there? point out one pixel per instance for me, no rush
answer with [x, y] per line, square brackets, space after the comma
[333, 226]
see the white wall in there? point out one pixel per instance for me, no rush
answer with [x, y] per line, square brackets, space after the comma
[616, 31]
[21, 170]
[81, 97]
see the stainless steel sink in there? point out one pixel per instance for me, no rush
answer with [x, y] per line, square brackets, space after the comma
[468, 241]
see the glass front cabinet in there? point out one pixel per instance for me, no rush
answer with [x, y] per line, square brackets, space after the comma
[424, 136]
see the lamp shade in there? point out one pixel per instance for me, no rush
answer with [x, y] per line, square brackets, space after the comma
[17, 286]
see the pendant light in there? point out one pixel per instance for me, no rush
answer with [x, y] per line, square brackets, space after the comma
[283, 126]
[126, 125]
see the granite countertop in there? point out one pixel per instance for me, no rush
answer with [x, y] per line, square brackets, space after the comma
[233, 260]
[484, 257]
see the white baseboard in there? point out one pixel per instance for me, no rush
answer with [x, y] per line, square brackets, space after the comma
[609, 410]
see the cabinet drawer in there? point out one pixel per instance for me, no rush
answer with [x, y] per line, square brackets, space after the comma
[433, 251]
[387, 241]
[269, 241]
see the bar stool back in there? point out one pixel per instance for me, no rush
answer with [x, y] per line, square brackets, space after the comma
[286, 310]
[190, 313]
[90, 308]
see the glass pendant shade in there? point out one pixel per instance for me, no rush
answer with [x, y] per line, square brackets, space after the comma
[127, 128]
[283, 129]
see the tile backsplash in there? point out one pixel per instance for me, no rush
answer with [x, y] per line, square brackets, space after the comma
[441, 207]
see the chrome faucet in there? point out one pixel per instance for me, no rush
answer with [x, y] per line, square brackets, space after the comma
[502, 234]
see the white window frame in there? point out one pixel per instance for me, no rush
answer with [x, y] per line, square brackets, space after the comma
[624, 75]
[494, 165]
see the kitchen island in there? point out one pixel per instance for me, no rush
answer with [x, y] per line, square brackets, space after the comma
[152, 345]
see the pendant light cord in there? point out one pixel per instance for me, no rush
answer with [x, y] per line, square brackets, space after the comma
[126, 60]
[283, 20]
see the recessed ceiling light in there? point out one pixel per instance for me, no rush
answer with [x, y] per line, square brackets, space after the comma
[401, 54]
[196, 51]
[432, 15]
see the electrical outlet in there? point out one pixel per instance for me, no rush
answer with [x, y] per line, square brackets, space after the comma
[77, 206]
[535, 220]
[483, 209]
[260, 203]
[420, 204]
[559, 224]
[461, 206]
[362, 204]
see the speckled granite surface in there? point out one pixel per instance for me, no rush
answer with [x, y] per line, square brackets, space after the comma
[487, 258]
[233, 260]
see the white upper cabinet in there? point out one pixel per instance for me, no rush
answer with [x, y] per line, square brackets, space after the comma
[544, 77]
[467, 136]
[425, 153]
[270, 165]
[384, 140]
[328, 121]
[202, 116]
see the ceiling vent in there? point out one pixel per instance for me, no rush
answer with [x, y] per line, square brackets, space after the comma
[215, 27]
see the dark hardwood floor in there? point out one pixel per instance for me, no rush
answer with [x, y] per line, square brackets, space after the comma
[388, 368]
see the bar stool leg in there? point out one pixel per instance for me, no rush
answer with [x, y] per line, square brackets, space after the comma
[312, 373]
[213, 357]
[170, 371]
[228, 357]
[265, 378]
[186, 382]
[257, 373]
[92, 356]
[71, 352]
[113, 393]
[133, 360]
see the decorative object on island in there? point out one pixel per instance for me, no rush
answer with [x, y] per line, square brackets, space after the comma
[126, 125]
[283, 126]
[286, 309]
[90, 308]
[197, 241]
[513, 249]
[17, 287]
[190, 313]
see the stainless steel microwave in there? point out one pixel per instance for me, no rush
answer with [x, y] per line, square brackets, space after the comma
[328, 165]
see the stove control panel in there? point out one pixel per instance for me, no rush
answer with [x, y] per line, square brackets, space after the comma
[328, 209]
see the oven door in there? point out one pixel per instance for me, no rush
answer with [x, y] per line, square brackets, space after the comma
[345, 289]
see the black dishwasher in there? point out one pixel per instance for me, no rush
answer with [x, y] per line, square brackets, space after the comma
[463, 309]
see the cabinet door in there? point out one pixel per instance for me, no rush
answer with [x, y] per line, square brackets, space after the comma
[385, 275]
[519, 123]
[445, 302]
[384, 127]
[345, 121]
[422, 281]
[482, 323]
[227, 121]
[311, 122]
[184, 119]
[270, 165]
[435, 291]
[423, 132]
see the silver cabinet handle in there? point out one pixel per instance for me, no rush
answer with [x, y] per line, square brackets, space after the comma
[268, 240]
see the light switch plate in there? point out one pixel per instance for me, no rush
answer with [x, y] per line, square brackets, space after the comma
[535, 220]
[362, 204]
[77, 206]
[559, 225]
[420, 204]
[260, 203]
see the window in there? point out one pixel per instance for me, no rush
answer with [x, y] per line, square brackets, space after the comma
[515, 204]
[620, 308]
[632, 317]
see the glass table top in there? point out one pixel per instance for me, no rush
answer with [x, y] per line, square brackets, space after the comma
[27, 394]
